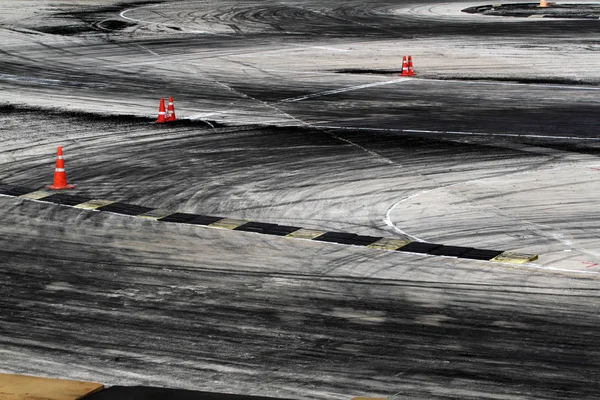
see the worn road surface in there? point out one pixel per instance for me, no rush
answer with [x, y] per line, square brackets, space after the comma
[294, 113]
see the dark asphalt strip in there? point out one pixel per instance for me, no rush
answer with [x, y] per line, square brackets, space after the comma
[154, 393]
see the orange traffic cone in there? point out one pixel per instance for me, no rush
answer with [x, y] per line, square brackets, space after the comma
[60, 177]
[161, 112]
[411, 70]
[171, 110]
[404, 67]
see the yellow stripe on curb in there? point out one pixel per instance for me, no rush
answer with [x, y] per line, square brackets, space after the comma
[389, 244]
[94, 204]
[305, 234]
[156, 214]
[38, 194]
[227, 223]
[21, 387]
[514, 258]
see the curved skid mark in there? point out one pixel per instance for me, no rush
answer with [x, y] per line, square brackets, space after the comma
[122, 15]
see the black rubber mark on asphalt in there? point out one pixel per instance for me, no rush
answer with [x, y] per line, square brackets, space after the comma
[364, 71]
[65, 30]
[16, 191]
[117, 119]
[526, 10]
[126, 209]
[525, 81]
[114, 25]
[66, 199]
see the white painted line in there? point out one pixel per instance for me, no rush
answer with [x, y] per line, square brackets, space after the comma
[457, 133]
[287, 71]
[388, 215]
[538, 266]
[151, 52]
[320, 47]
[343, 90]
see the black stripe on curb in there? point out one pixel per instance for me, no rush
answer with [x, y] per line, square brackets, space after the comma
[178, 218]
[16, 191]
[347, 238]
[203, 220]
[450, 251]
[419, 247]
[478, 254]
[267, 229]
[127, 209]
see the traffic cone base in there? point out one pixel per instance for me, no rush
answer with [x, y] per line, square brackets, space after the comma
[60, 187]
[60, 176]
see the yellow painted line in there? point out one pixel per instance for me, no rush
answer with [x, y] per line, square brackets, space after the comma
[227, 223]
[94, 204]
[156, 214]
[305, 234]
[39, 194]
[21, 387]
[389, 244]
[514, 258]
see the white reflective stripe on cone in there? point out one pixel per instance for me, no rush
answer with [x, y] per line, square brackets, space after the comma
[59, 157]
[59, 170]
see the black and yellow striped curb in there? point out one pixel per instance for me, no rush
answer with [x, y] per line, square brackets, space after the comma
[404, 244]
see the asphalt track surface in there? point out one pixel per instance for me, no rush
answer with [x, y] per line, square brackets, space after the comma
[293, 113]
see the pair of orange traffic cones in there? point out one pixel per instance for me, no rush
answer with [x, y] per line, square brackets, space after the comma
[407, 67]
[169, 114]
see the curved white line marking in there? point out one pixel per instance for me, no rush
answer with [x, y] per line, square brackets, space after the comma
[388, 215]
